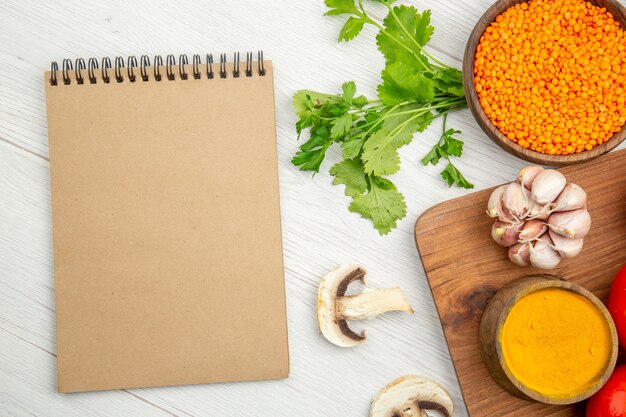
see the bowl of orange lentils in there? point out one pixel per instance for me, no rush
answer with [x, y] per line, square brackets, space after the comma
[546, 79]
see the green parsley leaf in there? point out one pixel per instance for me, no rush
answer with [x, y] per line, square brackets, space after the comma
[341, 7]
[423, 29]
[405, 125]
[341, 126]
[452, 146]
[446, 147]
[419, 31]
[351, 28]
[380, 154]
[312, 153]
[350, 173]
[359, 101]
[307, 101]
[351, 147]
[383, 204]
[410, 20]
[401, 83]
[433, 156]
[454, 177]
[349, 90]
[449, 80]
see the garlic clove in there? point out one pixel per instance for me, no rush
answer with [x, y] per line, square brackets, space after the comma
[519, 254]
[515, 200]
[506, 234]
[573, 224]
[494, 206]
[539, 211]
[571, 198]
[527, 175]
[536, 210]
[533, 229]
[547, 186]
[566, 247]
[542, 255]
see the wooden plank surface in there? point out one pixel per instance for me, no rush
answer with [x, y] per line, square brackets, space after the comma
[465, 267]
[318, 231]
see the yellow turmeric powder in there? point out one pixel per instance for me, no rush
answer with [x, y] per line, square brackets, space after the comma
[555, 342]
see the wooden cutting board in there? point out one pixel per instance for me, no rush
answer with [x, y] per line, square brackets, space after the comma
[465, 267]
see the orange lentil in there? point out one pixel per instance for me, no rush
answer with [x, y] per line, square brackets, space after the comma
[551, 75]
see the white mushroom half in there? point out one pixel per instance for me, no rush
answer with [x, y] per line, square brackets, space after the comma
[334, 308]
[411, 396]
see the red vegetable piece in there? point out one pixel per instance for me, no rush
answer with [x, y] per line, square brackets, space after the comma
[610, 401]
[617, 305]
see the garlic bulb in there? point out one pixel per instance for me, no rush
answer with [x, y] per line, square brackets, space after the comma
[542, 255]
[540, 217]
[547, 186]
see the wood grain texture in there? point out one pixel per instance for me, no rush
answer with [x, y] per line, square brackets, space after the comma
[319, 233]
[619, 13]
[465, 268]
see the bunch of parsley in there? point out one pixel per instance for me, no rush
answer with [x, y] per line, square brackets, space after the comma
[416, 88]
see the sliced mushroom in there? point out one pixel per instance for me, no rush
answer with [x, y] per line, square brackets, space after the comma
[334, 308]
[411, 396]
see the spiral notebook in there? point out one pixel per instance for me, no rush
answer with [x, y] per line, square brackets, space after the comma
[166, 222]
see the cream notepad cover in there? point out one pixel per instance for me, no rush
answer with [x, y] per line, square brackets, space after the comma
[166, 226]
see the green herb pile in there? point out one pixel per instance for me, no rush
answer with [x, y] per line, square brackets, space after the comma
[416, 89]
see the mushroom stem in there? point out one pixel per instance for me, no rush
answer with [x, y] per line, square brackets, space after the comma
[371, 303]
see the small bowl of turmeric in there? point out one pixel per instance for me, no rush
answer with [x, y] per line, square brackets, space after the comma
[548, 340]
[546, 79]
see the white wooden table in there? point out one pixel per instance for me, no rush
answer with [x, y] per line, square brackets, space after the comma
[319, 232]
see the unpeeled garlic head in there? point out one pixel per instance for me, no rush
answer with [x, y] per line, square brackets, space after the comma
[540, 217]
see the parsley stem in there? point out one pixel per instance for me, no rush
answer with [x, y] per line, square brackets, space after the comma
[381, 119]
[445, 119]
[418, 112]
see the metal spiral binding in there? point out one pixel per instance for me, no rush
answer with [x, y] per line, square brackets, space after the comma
[67, 67]
[80, 66]
[158, 63]
[248, 64]
[182, 61]
[106, 64]
[131, 64]
[92, 66]
[236, 65]
[144, 63]
[223, 66]
[119, 64]
[209, 66]
[54, 67]
[170, 61]
[196, 64]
